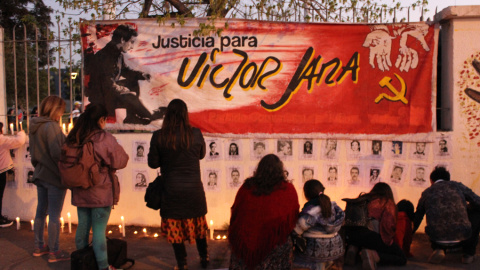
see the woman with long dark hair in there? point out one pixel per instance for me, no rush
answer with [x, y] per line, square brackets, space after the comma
[95, 203]
[263, 216]
[177, 149]
[376, 241]
[319, 223]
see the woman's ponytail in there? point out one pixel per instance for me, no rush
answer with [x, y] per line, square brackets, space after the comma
[325, 205]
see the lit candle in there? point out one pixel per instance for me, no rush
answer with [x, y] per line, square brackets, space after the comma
[219, 237]
[211, 229]
[155, 235]
[64, 129]
[21, 127]
[123, 225]
[120, 228]
[62, 223]
[109, 232]
[224, 237]
[11, 128]
[31, 222]
[70, 125]
[135, 232]
[69, 223]
[48, 220]
[145, 231]
[18, 223]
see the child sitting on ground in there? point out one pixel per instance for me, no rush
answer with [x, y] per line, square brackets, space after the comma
[319, 223]
[404, 231]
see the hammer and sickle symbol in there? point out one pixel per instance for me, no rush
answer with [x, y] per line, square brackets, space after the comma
[385, 82]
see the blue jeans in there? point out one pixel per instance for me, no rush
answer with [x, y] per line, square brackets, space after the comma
[50, 202]
[97, 219]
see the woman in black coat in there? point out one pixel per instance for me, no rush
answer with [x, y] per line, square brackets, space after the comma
[177, 149]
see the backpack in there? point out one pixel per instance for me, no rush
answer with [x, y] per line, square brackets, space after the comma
[77, 165]
[356, 211]
[153, 194]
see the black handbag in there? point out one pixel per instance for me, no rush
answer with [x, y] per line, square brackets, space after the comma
[153, 194]
[356, 211]
[84, 259]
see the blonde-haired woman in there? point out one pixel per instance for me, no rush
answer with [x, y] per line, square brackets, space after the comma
[46, 139]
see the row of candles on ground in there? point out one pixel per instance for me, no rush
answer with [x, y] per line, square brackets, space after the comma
[62, 223]
[121, 227]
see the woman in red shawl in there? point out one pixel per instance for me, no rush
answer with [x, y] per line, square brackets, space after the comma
[263, 216]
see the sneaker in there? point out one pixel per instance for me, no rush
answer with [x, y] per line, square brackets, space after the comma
[58, 256]
[37, 252]
[5, 222]
[437, 256]
[351, 255]
[467, 259]
[369, 259]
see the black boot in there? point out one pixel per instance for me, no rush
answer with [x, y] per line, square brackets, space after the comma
[180, 255]
[203, 251]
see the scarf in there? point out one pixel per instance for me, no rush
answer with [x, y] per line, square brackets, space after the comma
[260, 223]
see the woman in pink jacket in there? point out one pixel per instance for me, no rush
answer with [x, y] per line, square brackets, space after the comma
[6, 163]
[95, 203]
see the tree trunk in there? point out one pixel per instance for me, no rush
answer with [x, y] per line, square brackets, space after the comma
[182, 9]
[146, 8]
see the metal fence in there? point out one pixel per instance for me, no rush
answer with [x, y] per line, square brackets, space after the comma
[23, 48]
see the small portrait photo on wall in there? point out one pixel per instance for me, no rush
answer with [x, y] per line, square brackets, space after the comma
[27, 156]
[28, 176]
[330, 150]
[235, 177]
[12, 178]
[140, 180]
[308, 173]
[354, 149]
[213, 149]
[332, 177]
[397, 150]
[397, 174]
[140, 151]
[288, 173]
[284, 149]
[419, 175]
[419, 151]
[442, 147]
[374, 175]
[376, 148]
[307, 149]
[259, 148]
[212, 179]
[354, 176]
[233, 150]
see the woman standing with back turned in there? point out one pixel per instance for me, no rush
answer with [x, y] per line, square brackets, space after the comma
[94, 204]
[46, 140]
[177, 149]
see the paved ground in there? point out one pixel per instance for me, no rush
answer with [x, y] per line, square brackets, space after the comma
[155, 253]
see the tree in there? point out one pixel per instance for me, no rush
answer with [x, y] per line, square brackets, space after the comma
[275, 10]
[18, 17]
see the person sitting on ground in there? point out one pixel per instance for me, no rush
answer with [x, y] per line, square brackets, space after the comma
[449, 220]
[376, 240]
[404, 231]
[264, 214]
[319, 223]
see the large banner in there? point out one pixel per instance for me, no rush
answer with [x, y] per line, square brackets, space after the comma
[266, 78]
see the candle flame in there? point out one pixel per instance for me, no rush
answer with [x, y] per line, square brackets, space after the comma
[109, 232]
[135, 232]
[218, 237]
[144, 230]
[155, 235]
[224, 237]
